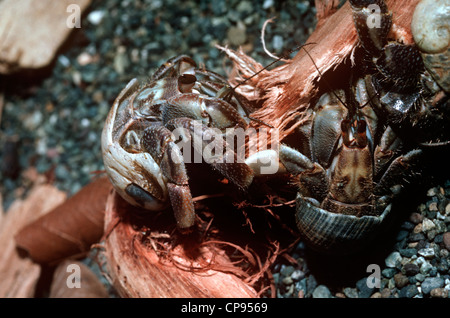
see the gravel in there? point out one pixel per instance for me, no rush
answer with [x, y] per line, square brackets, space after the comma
[417, 266]
[52, 124]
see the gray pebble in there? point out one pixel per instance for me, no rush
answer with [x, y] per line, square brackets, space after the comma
[416, 237]
[364, 290]
[321, 291]
[287, 270]
[389, 272]
[311, 283]
[350, 292]
[408, 291]
[402, 235]
[431, 283]
[287, 280]
[408, 252]
[425, 268]
[267, 4]
[420, 277]
[297, 275]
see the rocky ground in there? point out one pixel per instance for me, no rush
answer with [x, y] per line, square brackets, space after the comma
[51, 123]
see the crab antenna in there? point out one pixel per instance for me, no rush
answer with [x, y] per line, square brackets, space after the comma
[272, 63]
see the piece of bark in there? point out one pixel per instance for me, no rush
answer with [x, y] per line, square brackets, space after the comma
[65, 283]
[137, 270]
[18, 275]
[32, 31]
[69, 229]
[286, 91]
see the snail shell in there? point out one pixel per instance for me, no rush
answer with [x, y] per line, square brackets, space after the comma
[430, 27]
[333, 233]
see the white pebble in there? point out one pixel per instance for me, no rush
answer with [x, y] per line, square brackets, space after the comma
[267, 4]
[96, 17]
[426, 252]
[427, 225]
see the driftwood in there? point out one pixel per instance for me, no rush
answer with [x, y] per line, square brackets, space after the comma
[70, 228]
[139, 268]
[65, 285]
[19, 275]
[33, 44]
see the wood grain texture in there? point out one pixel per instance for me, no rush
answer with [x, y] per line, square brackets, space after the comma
[33, 44]
[19, 275]
[136, 269]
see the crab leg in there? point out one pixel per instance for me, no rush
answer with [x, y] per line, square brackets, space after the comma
[224, 160]
[159, 142]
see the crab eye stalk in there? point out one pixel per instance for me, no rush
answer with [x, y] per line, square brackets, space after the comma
[186, 82]
[360, 136]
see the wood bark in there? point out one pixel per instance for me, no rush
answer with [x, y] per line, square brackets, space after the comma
[70, 228]
[19, 275]
[33, 44]
[136, 269]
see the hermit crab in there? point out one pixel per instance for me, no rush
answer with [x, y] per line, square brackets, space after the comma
[359, 147]
[367, 143]
[149, 126]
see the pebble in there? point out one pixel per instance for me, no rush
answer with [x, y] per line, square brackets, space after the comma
[393, 259]
[420, 277]
[416, 218]
[287, 270]
[408, 291]
[236, 35]
[416, 237]
[425, 268]
[411, 269]
[400, 280]
[364, 290]
[446, 240]
[426, 252]
[350, 292]
[427, 225]
[321, 291]
[385, 293]
[297, 275]
[389, 272]
[96, 17]
[431, 283]
[439, 293]
[121, 61]
[268, 4]
[408, 252]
